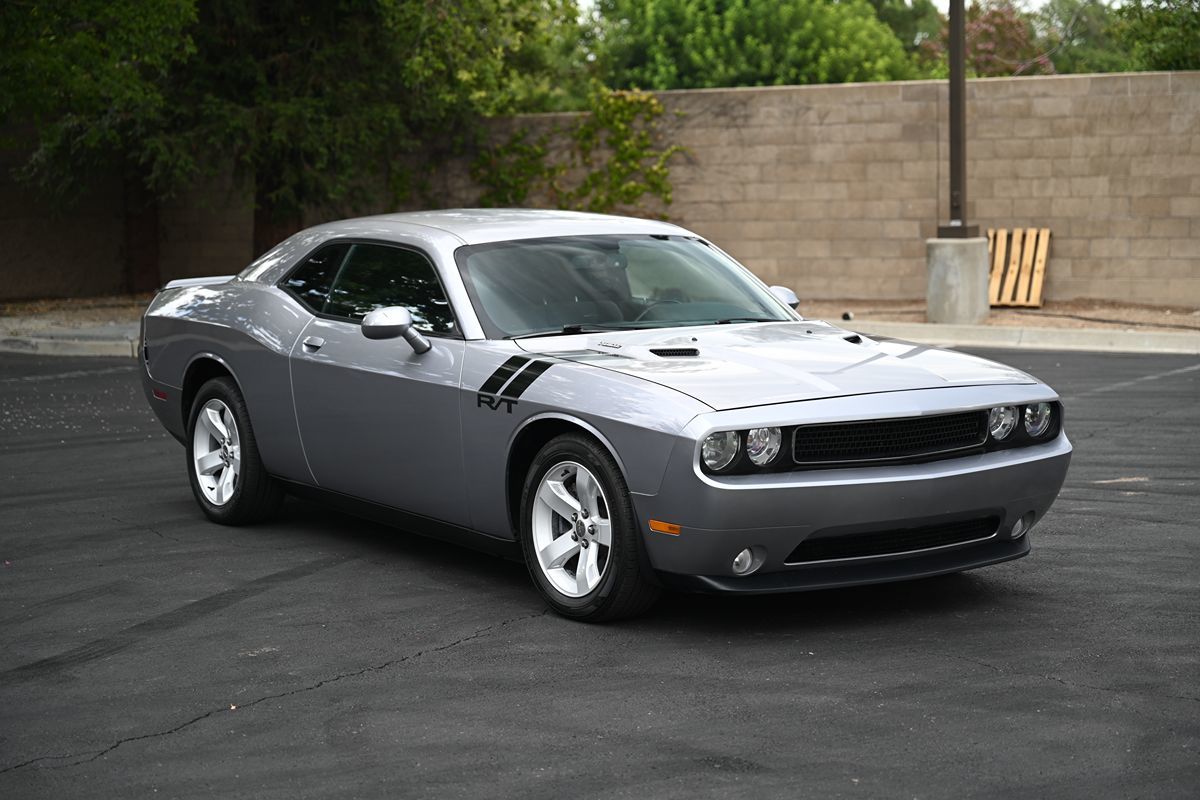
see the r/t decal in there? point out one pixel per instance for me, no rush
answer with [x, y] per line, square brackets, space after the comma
[494, 403]
[509, 382]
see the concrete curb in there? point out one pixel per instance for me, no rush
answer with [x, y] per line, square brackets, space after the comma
[64, 346]
[1097, 339]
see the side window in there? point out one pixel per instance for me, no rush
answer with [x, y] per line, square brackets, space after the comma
[311, 281]
[375, 276]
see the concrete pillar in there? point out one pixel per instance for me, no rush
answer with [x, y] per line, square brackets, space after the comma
[958, 281]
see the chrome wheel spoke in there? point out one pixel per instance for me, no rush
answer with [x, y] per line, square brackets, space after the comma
[587, 572]
[587, 491]
[603, 532]
[207, 465]
[210, 417]
[554, 494]
[558, 552]
[225, 486]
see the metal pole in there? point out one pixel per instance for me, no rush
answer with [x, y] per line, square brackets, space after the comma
[958, 228]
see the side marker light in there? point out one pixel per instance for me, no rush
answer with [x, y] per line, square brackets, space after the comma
[664, 527]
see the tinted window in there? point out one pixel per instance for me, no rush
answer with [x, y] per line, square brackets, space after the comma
[375, 276]
[310, 282]
[541, 285]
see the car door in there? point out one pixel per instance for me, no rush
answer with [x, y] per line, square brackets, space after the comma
[378, 421]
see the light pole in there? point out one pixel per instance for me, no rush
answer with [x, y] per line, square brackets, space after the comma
[957, 260]
[957, 227]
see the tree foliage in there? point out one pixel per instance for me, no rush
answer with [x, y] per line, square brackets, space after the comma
[314, 103]
[913, 21]
[684, 44]
[90, 76]
[609, 159]
[1161, 34]
[1001, 40]
[1077, 36]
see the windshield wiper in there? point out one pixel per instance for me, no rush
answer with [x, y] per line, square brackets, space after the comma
[571, 329]
[729, 320]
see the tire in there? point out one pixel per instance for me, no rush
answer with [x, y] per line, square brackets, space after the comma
[231, 485]
[555, 546]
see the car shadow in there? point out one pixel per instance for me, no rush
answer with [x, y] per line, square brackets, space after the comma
[491, 575]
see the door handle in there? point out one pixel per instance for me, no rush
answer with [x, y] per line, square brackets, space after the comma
[313, 343]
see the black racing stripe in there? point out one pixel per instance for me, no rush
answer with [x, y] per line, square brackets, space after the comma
[525, 378]
[501, 375]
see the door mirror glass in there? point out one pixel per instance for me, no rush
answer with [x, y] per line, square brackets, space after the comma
[393, 322]
[786, 296]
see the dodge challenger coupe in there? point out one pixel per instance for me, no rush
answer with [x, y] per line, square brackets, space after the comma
[616, 400]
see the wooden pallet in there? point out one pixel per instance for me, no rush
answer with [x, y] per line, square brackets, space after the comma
[1018, 265]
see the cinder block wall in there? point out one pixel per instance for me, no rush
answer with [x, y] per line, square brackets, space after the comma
[833, 190]
[829, 189]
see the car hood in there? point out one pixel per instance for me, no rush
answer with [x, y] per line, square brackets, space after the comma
[736, 366]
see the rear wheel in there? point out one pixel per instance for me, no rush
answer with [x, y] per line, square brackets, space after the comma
[579, 535]
[227, 475]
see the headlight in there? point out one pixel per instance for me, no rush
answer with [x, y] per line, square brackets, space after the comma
[1002, 421]
[720, 449]
[762, 445]
[1037, 419]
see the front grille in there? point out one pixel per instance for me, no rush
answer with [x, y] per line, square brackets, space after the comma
[849, 443]
[882, 543]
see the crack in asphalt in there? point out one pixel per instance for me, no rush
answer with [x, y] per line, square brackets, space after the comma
[88, 756]
[1063, 681]
[143, 526]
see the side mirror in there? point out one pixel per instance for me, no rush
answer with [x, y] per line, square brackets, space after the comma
[393, 321]
[786, 296]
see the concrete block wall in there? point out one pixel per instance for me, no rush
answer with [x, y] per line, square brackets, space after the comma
[833, 189]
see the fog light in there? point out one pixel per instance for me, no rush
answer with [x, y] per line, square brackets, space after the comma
[1022, 526]
[743, 562]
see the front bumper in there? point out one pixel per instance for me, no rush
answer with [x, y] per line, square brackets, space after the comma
[772, 514]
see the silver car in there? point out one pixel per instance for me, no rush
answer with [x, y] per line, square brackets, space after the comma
[617, 401]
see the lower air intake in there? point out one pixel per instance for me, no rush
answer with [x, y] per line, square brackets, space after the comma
[893, 542]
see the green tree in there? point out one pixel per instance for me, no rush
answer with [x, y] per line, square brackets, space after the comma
[315, 104]
[913, 21]
[318, 104]
[1161, 34]
[684, 44]
[82, 87]
[1001, 40]
[1076, 34]
[88, 75]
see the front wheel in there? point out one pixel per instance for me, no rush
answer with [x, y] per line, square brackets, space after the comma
[579, 535]
[227, 475]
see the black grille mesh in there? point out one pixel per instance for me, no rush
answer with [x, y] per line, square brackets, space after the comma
[880, 543]
[887, 439]
[674, 352]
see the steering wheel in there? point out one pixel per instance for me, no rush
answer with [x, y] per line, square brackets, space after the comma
[651, 307]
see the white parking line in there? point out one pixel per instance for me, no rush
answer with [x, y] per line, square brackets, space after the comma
[80, 373]
[1112, 387]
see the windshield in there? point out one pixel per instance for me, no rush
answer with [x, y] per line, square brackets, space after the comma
[575, 284]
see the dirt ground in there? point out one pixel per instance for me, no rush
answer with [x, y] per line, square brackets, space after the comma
[121, 309]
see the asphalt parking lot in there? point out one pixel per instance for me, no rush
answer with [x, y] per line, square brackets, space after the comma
[146, 651]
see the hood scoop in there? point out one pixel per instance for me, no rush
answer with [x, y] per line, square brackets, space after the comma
[853, 338]
[675, 352]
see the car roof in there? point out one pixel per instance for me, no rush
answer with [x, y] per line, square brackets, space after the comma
[484, 225]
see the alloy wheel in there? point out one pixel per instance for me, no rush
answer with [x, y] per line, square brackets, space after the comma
[572, 530]
[216, 452]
